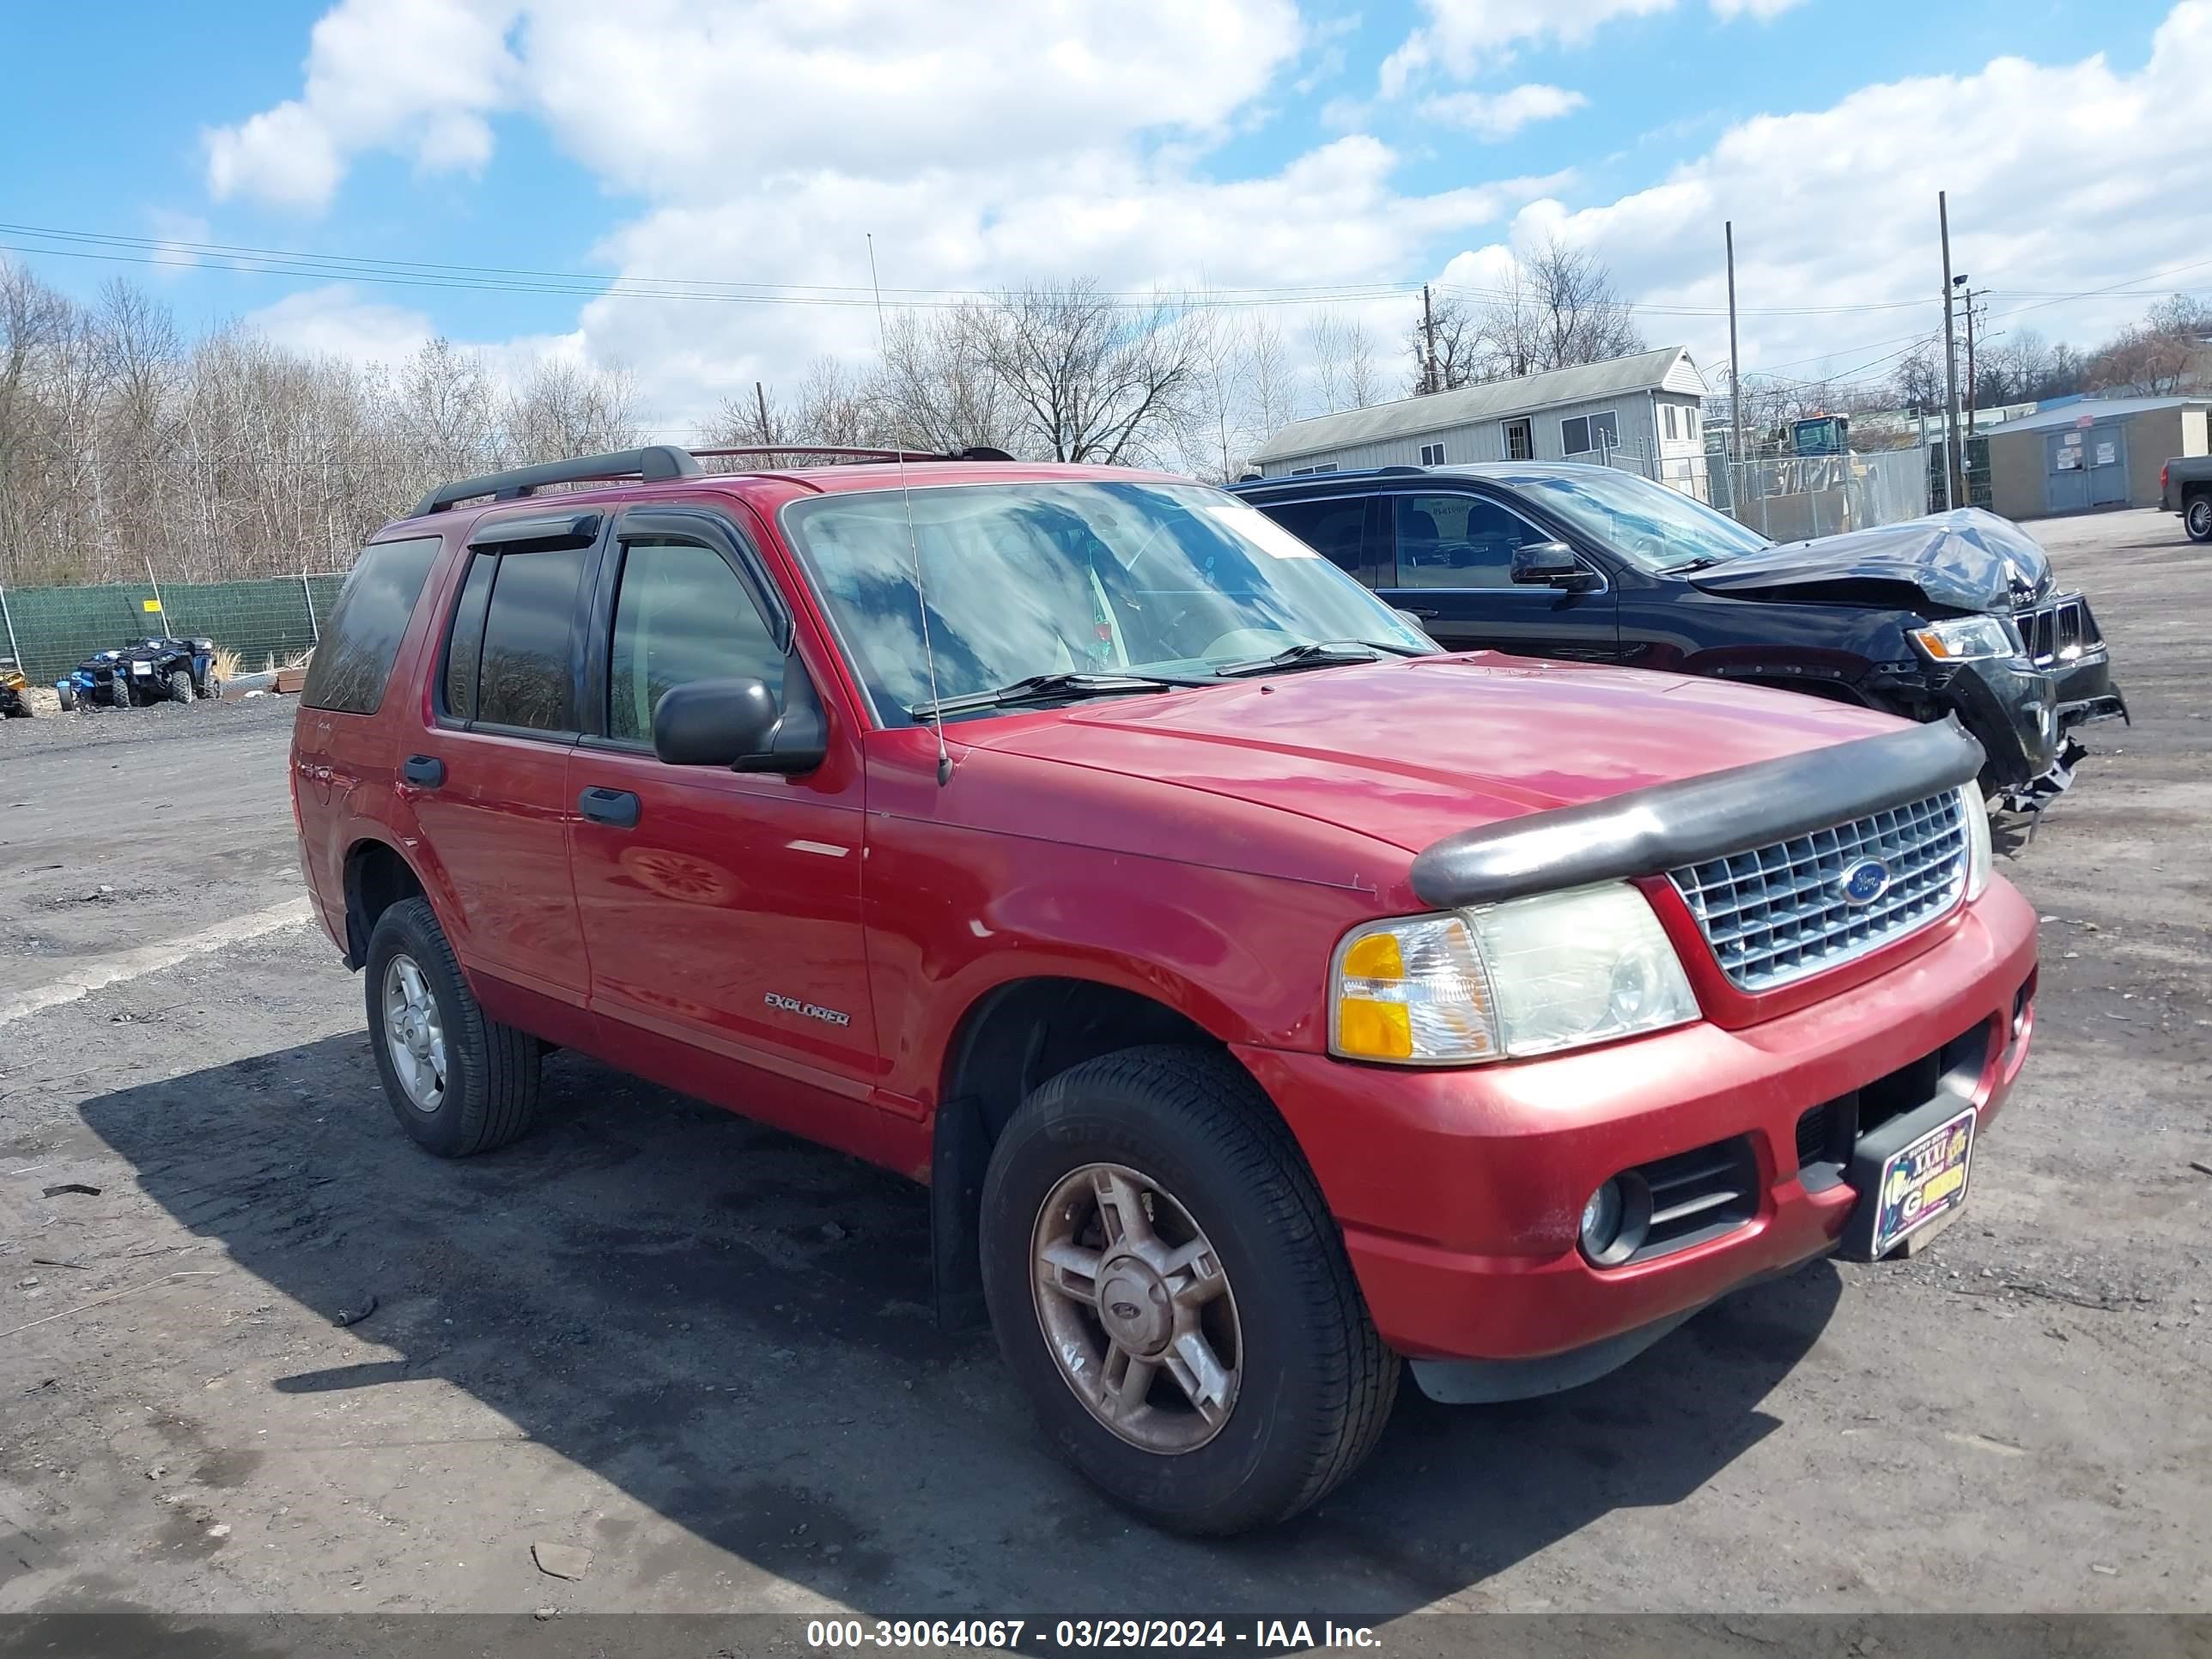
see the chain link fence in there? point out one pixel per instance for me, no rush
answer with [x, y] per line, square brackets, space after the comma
[1792, 498]
[49, 631]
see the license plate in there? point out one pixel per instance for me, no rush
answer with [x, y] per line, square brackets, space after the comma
[1924, 1183]
[141, 667]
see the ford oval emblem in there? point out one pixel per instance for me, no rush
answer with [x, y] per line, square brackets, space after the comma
[1864, 881]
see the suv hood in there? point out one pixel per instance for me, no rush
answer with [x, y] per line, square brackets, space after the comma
[1408, 753]
[1966, 560]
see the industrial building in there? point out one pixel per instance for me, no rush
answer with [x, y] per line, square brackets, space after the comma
[2089, 452]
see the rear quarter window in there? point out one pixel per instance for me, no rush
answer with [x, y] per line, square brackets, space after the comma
[353, 659]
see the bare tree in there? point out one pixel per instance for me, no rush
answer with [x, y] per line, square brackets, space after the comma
[938, 387]
[1268, 376]
[1553, 308]
[1095, 382]
[1454, 330]
[565, 408]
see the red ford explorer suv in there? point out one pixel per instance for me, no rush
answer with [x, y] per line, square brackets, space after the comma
[1266, 996]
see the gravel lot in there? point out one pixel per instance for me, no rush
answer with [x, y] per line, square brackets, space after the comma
[279, 1361]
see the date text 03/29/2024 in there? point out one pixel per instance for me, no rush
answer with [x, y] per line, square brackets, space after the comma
[1258, 1635]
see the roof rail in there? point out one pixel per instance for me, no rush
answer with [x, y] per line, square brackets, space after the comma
[975, 453]
[652, 462]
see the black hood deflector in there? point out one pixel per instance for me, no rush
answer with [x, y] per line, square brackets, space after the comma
[1966, 560]
[1648, 831]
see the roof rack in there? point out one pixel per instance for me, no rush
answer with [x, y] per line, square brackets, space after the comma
[652, 463]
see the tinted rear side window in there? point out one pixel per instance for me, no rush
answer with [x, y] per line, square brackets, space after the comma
[353, 659]
[527, 675]
[467, 639]
[1332, 528]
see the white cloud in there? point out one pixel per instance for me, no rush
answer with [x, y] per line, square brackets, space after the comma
[1462, 37]
[417, 76]
[180, 237]
[1500, 115]
[1465, 38]
[763, 143]
[2061, 179]
[340, 320]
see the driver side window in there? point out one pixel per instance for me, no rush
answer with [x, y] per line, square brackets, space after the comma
[681, 615]
[1458, 541]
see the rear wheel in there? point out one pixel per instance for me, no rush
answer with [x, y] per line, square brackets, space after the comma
[459, 1083]
[68, 695]
[2196, 518]
[1173, 1297]
[180, 686]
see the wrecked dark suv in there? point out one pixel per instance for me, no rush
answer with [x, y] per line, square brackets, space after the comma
[1955, 614]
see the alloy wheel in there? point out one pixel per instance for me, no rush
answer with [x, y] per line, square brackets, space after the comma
[1136, 1308]
[414, 1034]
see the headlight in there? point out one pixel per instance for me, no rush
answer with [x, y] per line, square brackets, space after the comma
[1504, 981]
[1968, 639]
[1977, 813]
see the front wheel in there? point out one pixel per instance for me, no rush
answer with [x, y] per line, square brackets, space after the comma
[2196, 518]
[67, 693]
[459, 1083]
[1173, 1297]
[180, 687]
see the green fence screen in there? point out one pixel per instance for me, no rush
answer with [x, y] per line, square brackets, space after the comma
[57, 627]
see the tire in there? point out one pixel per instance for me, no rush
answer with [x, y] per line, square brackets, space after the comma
[211, 688]
[67, 694]
[2197, 517]
[1313, 1383]
[180, 687]
[119, 692]
[489, 1071]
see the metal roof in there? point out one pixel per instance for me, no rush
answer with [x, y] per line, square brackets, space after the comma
[1645, 371]
[2077, 410]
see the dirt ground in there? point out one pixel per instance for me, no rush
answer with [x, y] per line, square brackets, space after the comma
[279, 1361]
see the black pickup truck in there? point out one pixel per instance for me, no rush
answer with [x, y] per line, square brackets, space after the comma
[1958, 613]
[2186, 484]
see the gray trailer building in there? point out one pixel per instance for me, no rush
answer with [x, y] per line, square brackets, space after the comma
[1640, 412]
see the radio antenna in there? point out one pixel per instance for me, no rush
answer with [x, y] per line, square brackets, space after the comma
[913, 544]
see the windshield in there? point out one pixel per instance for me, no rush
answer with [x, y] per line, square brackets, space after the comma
[1651, 526]
[1030, 578]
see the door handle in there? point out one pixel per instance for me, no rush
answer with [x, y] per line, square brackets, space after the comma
[1424, 613]
[426, 770]
[615, 807]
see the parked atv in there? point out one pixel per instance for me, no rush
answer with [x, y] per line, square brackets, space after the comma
[94, 681]
[14, 705]
[179, 671]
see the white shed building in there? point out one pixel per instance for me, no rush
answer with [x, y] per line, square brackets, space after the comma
[1640, 412]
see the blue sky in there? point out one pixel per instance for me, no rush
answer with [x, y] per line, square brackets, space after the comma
[1265, 146]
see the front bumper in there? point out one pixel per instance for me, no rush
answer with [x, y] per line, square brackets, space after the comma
[2012, 708]
[1460, 1192]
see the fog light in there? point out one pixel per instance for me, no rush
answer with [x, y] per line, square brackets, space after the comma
[1614, 1220]
[1602, 1218]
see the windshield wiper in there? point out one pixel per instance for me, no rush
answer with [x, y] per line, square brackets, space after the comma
[1703, 562]
[1321, 653]
[1052, 688]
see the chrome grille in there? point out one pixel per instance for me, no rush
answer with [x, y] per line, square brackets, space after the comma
[2058, 630]
[1777, 912]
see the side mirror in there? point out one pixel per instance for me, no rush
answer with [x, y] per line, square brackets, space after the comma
[1414, 620]
[1551, 564]
[735, 723]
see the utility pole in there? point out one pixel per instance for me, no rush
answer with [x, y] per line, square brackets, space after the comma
[1428, 329]
[760, 400]
[1736, 371]
[1970, 365]
[1954, 480]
